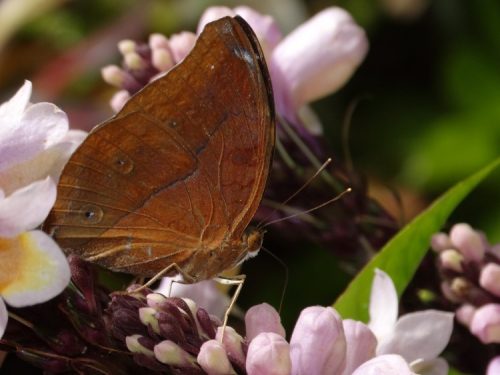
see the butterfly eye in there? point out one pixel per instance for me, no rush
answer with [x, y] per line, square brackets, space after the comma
[91, 214]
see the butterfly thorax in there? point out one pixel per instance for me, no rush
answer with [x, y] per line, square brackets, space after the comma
[207, 263]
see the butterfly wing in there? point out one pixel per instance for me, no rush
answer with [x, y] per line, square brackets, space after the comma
[181, 167]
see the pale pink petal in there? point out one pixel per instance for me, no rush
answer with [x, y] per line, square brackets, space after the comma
[212, 14]
[317, 345]
[317, 58]
[40, 126]
[4, 316]
[13, 109]
[441, 241]
[361, 344]
[490, 278]
[233, 343]
[420, 335]
[437, 366]
[268, 354]
[465, 313]
[485, 323]
[118, 100]
[262, 318]
[383, 305]
[27, 207]
[494, 366]
[389, 364]
[38, 269]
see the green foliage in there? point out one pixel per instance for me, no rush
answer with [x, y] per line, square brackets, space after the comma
[402, 255]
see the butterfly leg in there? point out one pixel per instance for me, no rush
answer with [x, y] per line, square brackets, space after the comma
[237, 280]
[188, 279]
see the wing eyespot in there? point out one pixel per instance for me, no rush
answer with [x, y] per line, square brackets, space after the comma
[91, 214]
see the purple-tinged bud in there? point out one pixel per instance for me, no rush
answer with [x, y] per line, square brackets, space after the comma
[206, 323]
[318, 344]
[119, 99]
[162, 60]
[126, 46]
[494, 366]
[114, 75]
[495, 251]
[262, 318]
[268, 354]
[490, 278]
[134, 61]
[147, 315]
[233, 343]
[158, 41]
[181, 44]
[452, 260]
[460, 286]
[485, 323]
[140, 344]
[467, 241]
[449, 293]
[440, 241]
[465, 313]
[170, 353]
[51, 365]
[213, 359]
[361, 344]
[155, 300]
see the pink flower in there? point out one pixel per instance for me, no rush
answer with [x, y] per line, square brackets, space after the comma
[388, 364]
[361, 344]
[467, 241]
[490, 278]
[34, 146]
[494, 366]
[262, 318]
[318, 344]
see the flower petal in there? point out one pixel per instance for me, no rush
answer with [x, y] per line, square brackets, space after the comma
[268, 354]
[213, 359]
[390, 364]
[361, 344]
[33, 269]
[4, 316]
[485, 323]
[437, 366]
[494, 366]
[15, 107]
[262, 318]
[420, 335]
[318, 345]
[383, 305]
[27, 207]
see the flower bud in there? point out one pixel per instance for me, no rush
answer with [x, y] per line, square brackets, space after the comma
[126, 46]
[262, 318]
[170, 353]
[213, 359]
[139, 344]
[233, 343]
[467, 241]
[318, 344]
[268, 354]
[485, 323]
[147, 315]
[181, 44]
[494, 366]
[465, 313]
[490, 278]
[451, 259]
[119, 99]
[440, 241]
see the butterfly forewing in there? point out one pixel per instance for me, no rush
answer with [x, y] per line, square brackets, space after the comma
[180, 168]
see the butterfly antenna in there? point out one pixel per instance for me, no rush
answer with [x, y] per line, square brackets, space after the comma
[304, 185]
[285, 282]
[336, 198]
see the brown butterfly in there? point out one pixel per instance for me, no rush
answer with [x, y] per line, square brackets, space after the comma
[176, 176]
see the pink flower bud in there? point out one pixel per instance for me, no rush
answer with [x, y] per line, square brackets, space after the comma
[490, 278]
[485, 323]
[126, 45]
[467, 241]
[361, 344]
[268, 354]
[465, 313]
[494, 366]
[318, 344]
[441, 241]
[139, 344]
[181, 44]
[213, 359]
[212, 14]
[317, 58]
[451, 259]
[119, 99]
[114, 75]
[262, 318]
[232, 342]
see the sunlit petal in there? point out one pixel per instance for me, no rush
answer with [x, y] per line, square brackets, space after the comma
[383, 305]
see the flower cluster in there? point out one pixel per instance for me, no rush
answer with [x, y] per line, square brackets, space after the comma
[470, 270]
[35, 143]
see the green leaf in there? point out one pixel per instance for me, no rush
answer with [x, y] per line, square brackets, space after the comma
[401, 256]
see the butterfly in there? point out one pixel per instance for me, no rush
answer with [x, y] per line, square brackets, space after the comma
[176, 176]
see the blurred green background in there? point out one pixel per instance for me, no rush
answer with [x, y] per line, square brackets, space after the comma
[429, 113]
